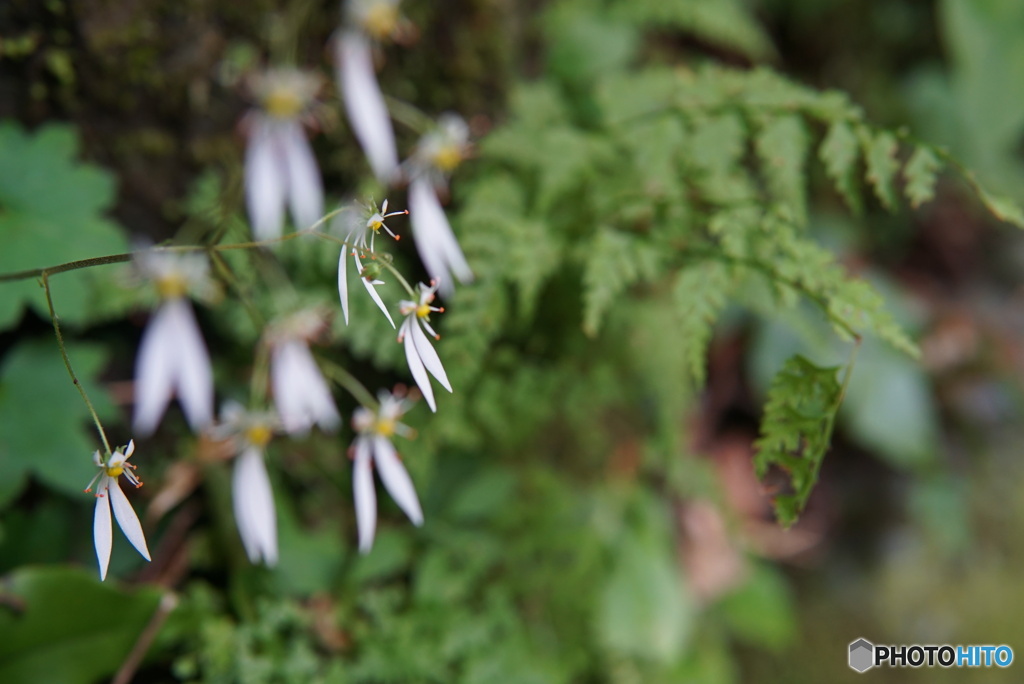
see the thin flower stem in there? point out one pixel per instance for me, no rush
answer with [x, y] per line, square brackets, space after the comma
[225, 272]
[384, 260]
[260, 377]
[349, 383]
[122, 258]
[67, 364]
[408, 115]
[167, 604]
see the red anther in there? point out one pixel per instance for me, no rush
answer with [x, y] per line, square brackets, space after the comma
[406, 212]
[399, 237]
[440, 310]
[437, 337]
[87, 490]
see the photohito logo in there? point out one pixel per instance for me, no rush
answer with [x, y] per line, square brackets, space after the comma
[865, 655]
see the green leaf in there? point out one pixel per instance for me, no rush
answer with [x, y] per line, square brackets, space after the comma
[782, 145]
[68, 627]
[795, 430]
[880, 154]
[700, 293]
[1003, 208]
[840, 152]
[45, 429]
[644, 611]
[921, 172]
[761, 611]
[614, 261]
[51, 211]
[725, 23]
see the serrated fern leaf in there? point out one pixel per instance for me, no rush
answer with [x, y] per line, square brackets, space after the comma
[921, 172]
[880, 154]
[840, 152]
[782, 146]
[795, 430]
[699, 294]
[613, 262]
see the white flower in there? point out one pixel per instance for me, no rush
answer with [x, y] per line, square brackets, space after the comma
[374, 444]
[436, 156]
[301, 394]
[279, 164]
[172, 358]
[364, 104]
[252, 498]
[109, 494]
[356, 236]
[419, 352]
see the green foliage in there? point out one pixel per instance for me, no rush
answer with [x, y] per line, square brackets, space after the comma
[42, 640]
[796, 429]
[46, 427]
[921, 174]
[46, 197]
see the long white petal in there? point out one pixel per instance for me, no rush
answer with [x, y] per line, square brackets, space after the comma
[364, 496]
[372, 290]
[396, 479]
[305, 189]
[419, 373]
[265, 182]
[435, 240]
[254, 507]
[429, 356]
[343, 278]
[126, 518]
[300, 392]
[102, 529]
[192, 365]
[154, 371]
[365, 106]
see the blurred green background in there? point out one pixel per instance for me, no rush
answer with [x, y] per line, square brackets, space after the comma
[592, 510]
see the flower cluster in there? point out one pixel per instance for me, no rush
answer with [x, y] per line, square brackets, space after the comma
[281, 178]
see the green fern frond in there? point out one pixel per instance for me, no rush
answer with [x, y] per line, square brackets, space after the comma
[796, 429]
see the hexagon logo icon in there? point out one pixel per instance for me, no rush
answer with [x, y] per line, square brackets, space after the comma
[862, 655]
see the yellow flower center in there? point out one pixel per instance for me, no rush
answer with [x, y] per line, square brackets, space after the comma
[282, 103]
[448, 157]
[172, 286]
[423, 310]
[385, 427]
[376, 224]
[258, 435]
[380, 21]
[116, 471]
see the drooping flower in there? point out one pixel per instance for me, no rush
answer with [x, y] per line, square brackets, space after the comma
[436, 156]
[279, 164]
[172, 358]
[109, 495]
[373, 446]
[357, 232]
[368, 21]
[251, 495]
[300, 392]
[419, 353]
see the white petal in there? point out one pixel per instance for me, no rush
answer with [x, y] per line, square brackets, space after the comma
[419, 373]
[396, 479]
[364, 496]
[429, 356]
[154, 370]
[365, 106]
[265, 182]
[254, 507]
[102, 530]
[192, 366]
[435, 241]
[126, 518]
[373, 292]
[343, 278]
[305, 189]
[300, 391]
